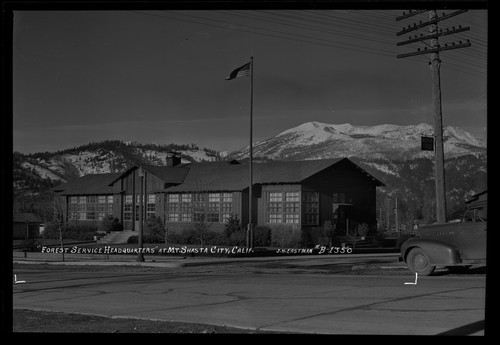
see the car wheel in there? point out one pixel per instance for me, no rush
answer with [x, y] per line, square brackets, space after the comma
[418, 262]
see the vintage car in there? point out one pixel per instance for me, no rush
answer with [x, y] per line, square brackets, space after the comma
[455, 245]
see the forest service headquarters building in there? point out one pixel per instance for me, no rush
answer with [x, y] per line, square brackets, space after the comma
[298, 194]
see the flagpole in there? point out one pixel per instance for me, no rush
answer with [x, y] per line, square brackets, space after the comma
[250, 198]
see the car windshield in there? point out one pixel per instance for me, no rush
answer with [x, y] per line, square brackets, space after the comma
[477, 214]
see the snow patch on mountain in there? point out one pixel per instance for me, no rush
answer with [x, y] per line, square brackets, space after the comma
[316, 140]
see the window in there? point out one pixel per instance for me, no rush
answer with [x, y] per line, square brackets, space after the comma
[276, 197]
[292, 218]
[476, 215]
[101, 199]
[185, 197]
[213, 214]
[214, 197]
[151, 205]
[274, 218]
[127, 207]
[173, 198]
[198, 207]
[310, 208]
[274, 207]
[283, 207]
[185, 212]
[73, 200]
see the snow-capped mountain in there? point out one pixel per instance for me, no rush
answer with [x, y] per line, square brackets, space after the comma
[41, 170]
[315, 140]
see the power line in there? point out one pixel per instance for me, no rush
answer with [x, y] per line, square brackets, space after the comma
[275, 34]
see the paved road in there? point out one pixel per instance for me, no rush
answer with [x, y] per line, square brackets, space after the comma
[298, 297]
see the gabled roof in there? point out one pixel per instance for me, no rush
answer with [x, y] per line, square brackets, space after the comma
[227, 177]
[91, 184]
[169, 174]
[211, 176]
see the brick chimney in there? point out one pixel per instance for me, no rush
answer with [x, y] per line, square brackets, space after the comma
[173, 159]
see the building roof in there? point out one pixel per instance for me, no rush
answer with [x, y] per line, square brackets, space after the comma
[211, 176]
[91, 184]
[169, 174]
[26, 217]
[231, 177]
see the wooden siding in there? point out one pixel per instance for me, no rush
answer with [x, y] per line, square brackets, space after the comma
[357, 188]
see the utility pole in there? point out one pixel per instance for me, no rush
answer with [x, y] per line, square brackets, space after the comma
[396, 215]
[435, 64]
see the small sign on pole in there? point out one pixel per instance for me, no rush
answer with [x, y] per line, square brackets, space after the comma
[427, 143]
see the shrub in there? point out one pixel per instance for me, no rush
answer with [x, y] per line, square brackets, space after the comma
[323, 235]
[154, 231]
[233, 225]
[215, 238]
[75, 231]
[110, 223]
[187, 237]
[285, 236]
[262, 236]
[238, 238]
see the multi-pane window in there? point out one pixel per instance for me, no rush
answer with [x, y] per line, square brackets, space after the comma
[127, 207]
[199, 204]
[185, 213]
[292, 207]
[283, 207]
[226, 206]
[198, 207]
[275, 207]
[90, 207]
[151, 205]
[173, 207]
[310, 208]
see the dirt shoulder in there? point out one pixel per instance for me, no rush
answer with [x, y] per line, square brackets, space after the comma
[31, 321]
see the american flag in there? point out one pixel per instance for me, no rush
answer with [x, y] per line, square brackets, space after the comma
[243, 71]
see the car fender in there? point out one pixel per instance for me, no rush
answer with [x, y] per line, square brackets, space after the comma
[439, 253]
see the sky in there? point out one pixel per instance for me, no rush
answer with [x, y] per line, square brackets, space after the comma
[158, 76]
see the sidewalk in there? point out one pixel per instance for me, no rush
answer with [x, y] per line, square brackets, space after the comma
[177, 261]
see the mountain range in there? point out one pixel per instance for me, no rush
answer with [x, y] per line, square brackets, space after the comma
[391, 153]
[315, 140]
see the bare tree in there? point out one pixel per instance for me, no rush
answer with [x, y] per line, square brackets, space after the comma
[54, 214]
